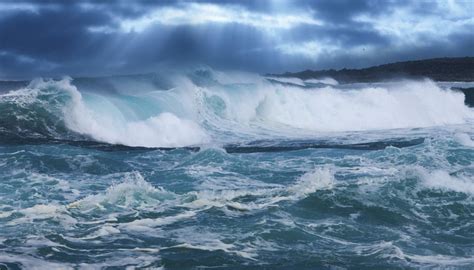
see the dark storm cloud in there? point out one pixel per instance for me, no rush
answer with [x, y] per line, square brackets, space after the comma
[51, 37]
[103, 37]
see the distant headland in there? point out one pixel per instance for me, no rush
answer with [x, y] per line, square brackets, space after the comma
[459, 69]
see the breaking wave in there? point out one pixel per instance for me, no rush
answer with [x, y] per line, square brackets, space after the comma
[207, 107]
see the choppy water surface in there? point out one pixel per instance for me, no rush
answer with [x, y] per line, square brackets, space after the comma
[71, 198]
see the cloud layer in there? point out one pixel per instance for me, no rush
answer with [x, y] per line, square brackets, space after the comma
[48, 38]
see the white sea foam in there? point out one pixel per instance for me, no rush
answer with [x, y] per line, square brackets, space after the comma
[5, 214]
[164, 129]
[148, 224]
[440, 179]
[44, 212]
[464, 139]
[30, 262]
[104, 231]
[326, 80]
[441, 261]
[388, 250]
[407, 104]
[135, 193]
[207, 241]
[132, 192]
[310, 182]
[291, 80]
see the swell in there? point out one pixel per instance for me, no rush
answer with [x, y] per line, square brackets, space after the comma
[34, 113]
[210, 107]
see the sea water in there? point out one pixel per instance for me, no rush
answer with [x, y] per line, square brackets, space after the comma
[208, 169]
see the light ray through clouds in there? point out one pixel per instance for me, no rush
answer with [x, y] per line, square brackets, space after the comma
[263, 36]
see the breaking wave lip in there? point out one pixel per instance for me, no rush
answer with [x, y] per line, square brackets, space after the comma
[200, 110]
[163, 129]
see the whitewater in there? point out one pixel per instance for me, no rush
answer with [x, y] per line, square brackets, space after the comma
[204, 168]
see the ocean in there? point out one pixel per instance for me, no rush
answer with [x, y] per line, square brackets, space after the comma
[205, 169]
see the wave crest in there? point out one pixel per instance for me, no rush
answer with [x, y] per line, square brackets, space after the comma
[199, 110]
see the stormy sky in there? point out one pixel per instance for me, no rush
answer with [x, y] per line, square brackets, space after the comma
[51, 38]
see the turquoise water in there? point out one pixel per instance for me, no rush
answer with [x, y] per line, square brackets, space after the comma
[70, 197]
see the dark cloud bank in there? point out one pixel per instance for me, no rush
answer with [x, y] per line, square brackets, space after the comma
[49, 38]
